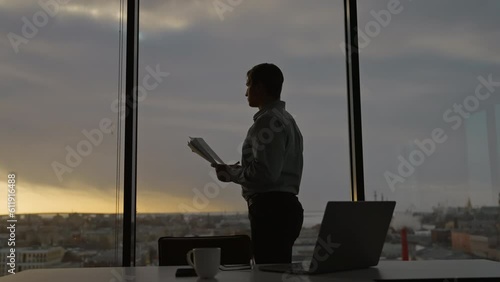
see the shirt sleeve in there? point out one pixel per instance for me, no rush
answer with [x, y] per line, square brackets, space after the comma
[268, 146]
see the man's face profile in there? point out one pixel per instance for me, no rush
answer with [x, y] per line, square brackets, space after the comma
[253, 94]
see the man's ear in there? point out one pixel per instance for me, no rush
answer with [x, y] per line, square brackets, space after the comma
[261, 89]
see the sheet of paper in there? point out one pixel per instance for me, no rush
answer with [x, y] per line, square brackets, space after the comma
[200, 147]
[195, 150]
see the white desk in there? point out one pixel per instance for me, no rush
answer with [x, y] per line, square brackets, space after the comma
[449, 269]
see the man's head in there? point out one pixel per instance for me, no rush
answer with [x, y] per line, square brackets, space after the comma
[264, 83]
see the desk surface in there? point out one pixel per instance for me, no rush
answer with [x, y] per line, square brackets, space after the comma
[446, 270]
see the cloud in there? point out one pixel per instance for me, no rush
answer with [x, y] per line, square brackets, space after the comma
[66, 78]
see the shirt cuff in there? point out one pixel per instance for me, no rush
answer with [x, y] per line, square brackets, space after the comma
[236, 175]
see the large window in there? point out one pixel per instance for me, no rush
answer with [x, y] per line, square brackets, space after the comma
[59, 77]
[429, 74]
[431, 121]
[206, 49]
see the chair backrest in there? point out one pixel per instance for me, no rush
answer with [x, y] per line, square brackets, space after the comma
[236, 249]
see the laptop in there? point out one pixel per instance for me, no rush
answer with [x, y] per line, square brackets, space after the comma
[351, 236]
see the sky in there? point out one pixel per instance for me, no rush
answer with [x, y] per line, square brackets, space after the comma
[418, 59]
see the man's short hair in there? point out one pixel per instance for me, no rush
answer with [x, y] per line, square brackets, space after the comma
[270, 76]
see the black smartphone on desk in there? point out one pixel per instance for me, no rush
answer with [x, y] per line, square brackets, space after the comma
[185, 272]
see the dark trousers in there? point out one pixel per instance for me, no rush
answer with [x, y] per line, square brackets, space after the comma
[276, 220]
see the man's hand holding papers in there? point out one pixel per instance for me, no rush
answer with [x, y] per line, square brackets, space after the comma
[226, 172]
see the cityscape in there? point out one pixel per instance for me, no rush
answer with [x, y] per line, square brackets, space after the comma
[93, 240]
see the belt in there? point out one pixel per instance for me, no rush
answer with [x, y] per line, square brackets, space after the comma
[269, 196]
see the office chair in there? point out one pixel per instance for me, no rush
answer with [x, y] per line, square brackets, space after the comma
[236, 249]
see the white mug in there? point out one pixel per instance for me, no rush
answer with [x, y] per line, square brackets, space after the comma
[206, 261]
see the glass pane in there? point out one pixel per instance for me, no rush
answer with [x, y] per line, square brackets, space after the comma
[430, 118]
[207, 47]
[59, 77]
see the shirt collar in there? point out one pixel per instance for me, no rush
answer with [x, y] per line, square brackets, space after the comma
[278, 104]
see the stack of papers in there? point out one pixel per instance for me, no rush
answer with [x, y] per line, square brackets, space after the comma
[200, 147]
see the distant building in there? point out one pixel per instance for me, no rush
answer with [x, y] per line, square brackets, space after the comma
[441, 236]
[460, 241]
[477, 245]
[32, 258]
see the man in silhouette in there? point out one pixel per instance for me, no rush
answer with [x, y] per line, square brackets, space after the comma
[271, 169]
